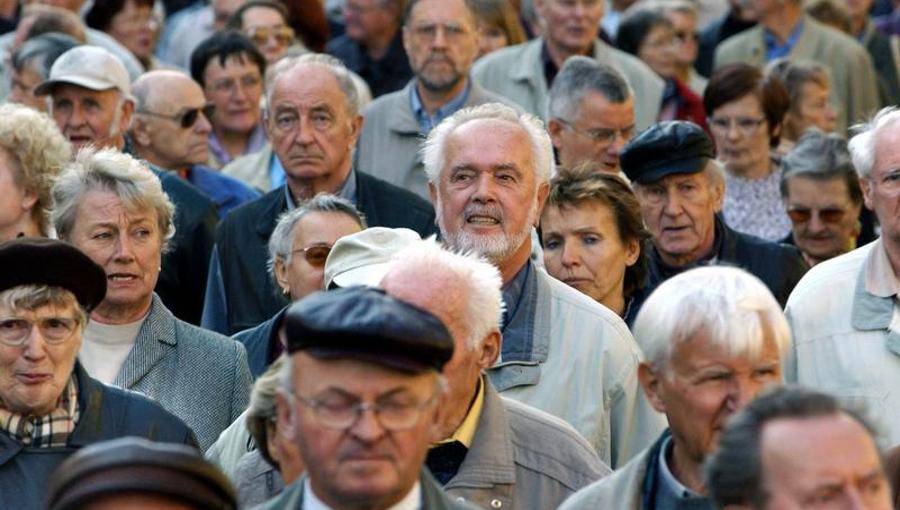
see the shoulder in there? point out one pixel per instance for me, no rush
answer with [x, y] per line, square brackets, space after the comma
[583, 307]
[549, 445]
[339, 46]
[206, 344]
[226, 181]
[620, 490]
[503, 58]
[183, 193]
[390, 195]
[840, 272]
[479, 95]
[291, 497]
[833, 37]
[384, 105]
[251, 211]
[739, 40]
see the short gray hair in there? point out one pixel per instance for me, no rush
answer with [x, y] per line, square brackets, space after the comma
[282, 239]
[862, 146]
[474, 280]
[340, 72]
[734, 473]
[33, 296]
[541, 147]
[821, 157]
[729, 305]
[580, 75]
[109, 170]
[39, 53]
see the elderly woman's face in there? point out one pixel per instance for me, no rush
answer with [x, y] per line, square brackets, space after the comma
[814, 110]
[135, 27]
[742, 135]
[34, 374]
[583, 249]
[658, 50]
[17, 202]
[127, 244]
[313, 236]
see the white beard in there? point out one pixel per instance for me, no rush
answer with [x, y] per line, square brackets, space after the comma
[496, 248]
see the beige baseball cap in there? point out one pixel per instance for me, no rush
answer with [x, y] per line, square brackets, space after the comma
[91, 67]
[364, 258]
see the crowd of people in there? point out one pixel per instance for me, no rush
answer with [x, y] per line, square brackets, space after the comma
[450, 254]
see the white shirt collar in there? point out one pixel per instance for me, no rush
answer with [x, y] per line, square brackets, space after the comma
[412, 501]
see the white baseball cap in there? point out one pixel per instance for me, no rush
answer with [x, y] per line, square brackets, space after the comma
[91, 67]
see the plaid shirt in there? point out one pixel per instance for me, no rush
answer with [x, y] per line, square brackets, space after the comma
[49, 431]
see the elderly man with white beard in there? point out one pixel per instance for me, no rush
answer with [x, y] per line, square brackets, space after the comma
[488, 169]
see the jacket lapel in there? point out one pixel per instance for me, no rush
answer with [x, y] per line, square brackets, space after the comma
[155, 339]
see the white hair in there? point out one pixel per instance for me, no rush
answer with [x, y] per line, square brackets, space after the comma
[730, 306]
[862, 146]
[542, 149]
[474, 281]
[340, 72]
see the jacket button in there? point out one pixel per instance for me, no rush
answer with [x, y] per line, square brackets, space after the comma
[496, 503]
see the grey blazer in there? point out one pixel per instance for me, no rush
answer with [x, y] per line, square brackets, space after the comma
[390, 140]
[198, 375]
[523, 458]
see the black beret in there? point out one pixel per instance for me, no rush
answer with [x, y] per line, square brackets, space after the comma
[136, 465]
[365, 323]
[40, 261]
[672, 147]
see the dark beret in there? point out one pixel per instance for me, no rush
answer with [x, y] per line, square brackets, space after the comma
[365, 323]
[40, 261]
[665, 148]
[136, 465]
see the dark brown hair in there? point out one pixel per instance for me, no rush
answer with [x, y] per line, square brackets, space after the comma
[734, 81]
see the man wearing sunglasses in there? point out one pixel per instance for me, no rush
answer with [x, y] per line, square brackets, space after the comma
[361, 394]
[170, 130]
[90, 99]
[821, 193]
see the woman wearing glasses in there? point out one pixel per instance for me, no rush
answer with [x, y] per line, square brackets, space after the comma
[112, 207]
[746, 110]
[298, 247]
[265, 22]
[132, 23]
[821, 194]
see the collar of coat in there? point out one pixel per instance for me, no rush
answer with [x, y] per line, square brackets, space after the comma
[873, 313]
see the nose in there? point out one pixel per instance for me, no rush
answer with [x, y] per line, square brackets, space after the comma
[35, 345]
[440, 37]
[618, 143]
[732, 133]
[741, 392]
[570, 255]
[815, 224]
[76, 118]
[484, 188]
[304, 136]
[367, 429]
[672, 204]
[203, 125]
[124, 249]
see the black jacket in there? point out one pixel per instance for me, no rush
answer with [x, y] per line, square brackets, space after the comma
[182, 281]
[259, 342]
[243, 236]
[106, 413]
[779, 266]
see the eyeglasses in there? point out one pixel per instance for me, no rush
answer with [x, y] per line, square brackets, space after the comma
[187, 118]
[14, 331]
[745, 125]
[344, 413]
[803, 214]
[315, 255]
[260, 35]
[600, 135]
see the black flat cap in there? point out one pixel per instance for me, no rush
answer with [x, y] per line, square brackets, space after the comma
[39, 261]
[672, 147]
[136, 465]
[365, 323]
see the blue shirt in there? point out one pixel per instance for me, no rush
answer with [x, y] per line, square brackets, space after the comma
[227, 192]
[428, 122]
[520, 303]
[774, 50]
[672, 494]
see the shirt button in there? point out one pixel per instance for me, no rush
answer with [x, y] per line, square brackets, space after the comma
[496, 503]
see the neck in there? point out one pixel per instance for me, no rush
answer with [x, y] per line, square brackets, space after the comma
[115, 314]
[233, 142]
[615, 302]
[378, 45]
[304, 189]
[686, 470]
[683, 74]
[510, 267]
[783, 22]
[681, 260]
[337, 502]
[25, 226]
[433, 100]
[456, 413]
[559, 55]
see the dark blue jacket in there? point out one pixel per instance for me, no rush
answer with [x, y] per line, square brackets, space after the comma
[258, 342]
[249, 296]
[227, 192]
[106, 413]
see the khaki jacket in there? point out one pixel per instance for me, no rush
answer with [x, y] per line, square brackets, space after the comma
[854, 84]
[517, 73]
[523, 458]
[622, 490]
[252, 169]
[390, 140]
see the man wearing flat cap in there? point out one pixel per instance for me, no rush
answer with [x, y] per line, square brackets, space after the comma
[362, 392]
[90, 100]
[49, 406]
[681, 189]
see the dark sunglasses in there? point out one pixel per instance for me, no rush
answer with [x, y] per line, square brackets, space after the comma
[315, 255]
[802, 215]
[188, 118]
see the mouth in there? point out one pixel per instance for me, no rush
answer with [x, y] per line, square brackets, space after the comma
[482, 220]
[121, 277]
[80, 139]
[33, 377]
[574, 281]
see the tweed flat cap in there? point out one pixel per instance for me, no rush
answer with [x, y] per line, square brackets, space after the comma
[365, 323]
[39, 261]
[136, 465]
[672, 147]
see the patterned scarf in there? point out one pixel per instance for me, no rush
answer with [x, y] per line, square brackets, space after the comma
[51, 430]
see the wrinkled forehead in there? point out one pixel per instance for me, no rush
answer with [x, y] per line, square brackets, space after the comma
[489, 144]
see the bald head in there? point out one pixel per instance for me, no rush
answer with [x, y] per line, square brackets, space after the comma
[170, 127]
